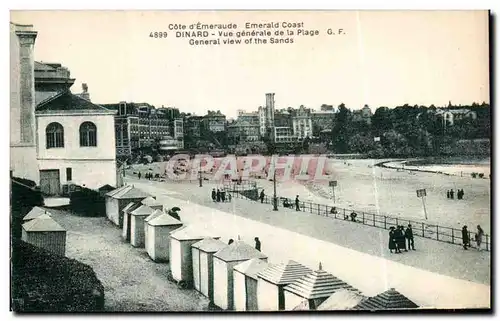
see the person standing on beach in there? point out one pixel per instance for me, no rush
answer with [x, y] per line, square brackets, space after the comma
[257, 244]
[451, 194]
[465, 237]
[217, 195]
[262, 196]
[139, 175]
[214, 195]
[479, 237]
[409, 236]
[231, 241]
[401, 239]
[447, 194]
[297, 203]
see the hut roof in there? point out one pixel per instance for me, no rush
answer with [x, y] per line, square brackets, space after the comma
[302, 306]
[209, 245]
[189, 233]
[34, 213]
[128, 192]
[153, 215]
[150, 201]
[142, 210]
[239, 251]
[342, 300]
[163, 220]
[388, 300]
[106, 187]
[318, 284]
[251, 268]
[43, 223]
[284, 273]
[131, 206]
[116, 190]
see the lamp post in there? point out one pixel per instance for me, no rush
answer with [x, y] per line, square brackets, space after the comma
[275, 198]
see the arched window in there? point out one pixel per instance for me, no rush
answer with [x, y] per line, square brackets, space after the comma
[88, 134]
[54, 134]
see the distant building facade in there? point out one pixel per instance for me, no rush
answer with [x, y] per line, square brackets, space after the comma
[362, 115]
[450, 116]
[302, 123]
[214, 121]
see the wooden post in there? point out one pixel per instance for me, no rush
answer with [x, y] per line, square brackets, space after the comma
[437, 232]
[373, 219]
[363, 217]
[319, 212]
[385, 222]
[453, 235]
[487, 244]
[423, 234]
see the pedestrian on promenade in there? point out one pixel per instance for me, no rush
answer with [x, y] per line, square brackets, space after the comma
[217, 195]
[257, 244]
[465, 237]
[139, 175]
[262, 196]
[353, 216]
[229, 197]
[231, 241]
[447, 194]
[333, 210]
[479, 237]
[409, 237]
[401, 238]
[223, 196]
[297, 203]
[451, 194]
[392, 240]
[214, 195]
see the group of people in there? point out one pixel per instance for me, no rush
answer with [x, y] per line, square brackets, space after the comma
[398, 238]
[451, 194]
[220, 196]
[148, 175]
[478, 237]
[257, 243]
[286, 203]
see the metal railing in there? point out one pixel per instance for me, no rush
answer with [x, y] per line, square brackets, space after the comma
[422, 229]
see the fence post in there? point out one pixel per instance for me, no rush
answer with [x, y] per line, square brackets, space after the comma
[487, 244]
[423, 234]
[335, 213]
[310, 207]
[385, 222]
[363, 218]
[373, 219]
[437, 232]
[453, 235]
[397, 222]
[319, 212]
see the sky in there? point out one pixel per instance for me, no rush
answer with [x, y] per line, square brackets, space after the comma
[382, 58]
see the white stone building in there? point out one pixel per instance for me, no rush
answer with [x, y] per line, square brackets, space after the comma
[302, 123]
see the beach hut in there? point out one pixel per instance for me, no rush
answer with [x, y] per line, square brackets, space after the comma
[126, 219]
[314, 287]
[272, 281]
[44, 232]
[117, 199]
[245, 282]
[34, 213]
[155, 213]
[103, 190]
[202, 253]
[152, 202]
[224, 261]
[137, 218]
[157, 234]
[181, 259]
[388, 300]
[342, 300]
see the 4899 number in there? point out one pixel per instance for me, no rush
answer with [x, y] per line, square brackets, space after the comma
[158, 34]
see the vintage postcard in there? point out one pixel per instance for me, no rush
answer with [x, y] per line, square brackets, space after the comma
[250, 161]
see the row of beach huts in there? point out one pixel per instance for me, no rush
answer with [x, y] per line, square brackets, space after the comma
[234, 277]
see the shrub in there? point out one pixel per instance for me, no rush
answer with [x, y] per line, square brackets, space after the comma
[87, 202]
[474, 175]
[46, 282]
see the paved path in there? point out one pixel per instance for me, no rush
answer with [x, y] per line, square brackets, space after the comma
[132, 282]
[437, 275]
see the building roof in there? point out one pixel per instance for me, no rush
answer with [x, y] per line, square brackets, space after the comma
[142, 210]
[66, 101]
[251, 268]
[318, 284]
[40, 66]
[388, 300]
[106, 187]
[164, 220]
[342, 300]
[150, 201]
[209, 245]
[131, 206]
[116, 190]
[127, 192]
[155, 213]
[284, 273]
[189, 233]
[239, 251]
[43, 223]
[34, 213]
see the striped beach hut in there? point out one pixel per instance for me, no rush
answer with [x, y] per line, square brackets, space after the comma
[45, 233]
[245, 282]
[34, 213]
[315, 287]
[152, 202]
[388, 300]
[224, 261]
[157, 234]
[137, 218]
[126, 219]
[342, 300]
[272, 281]
[117, 199]
[203, 268]
[181, 259]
